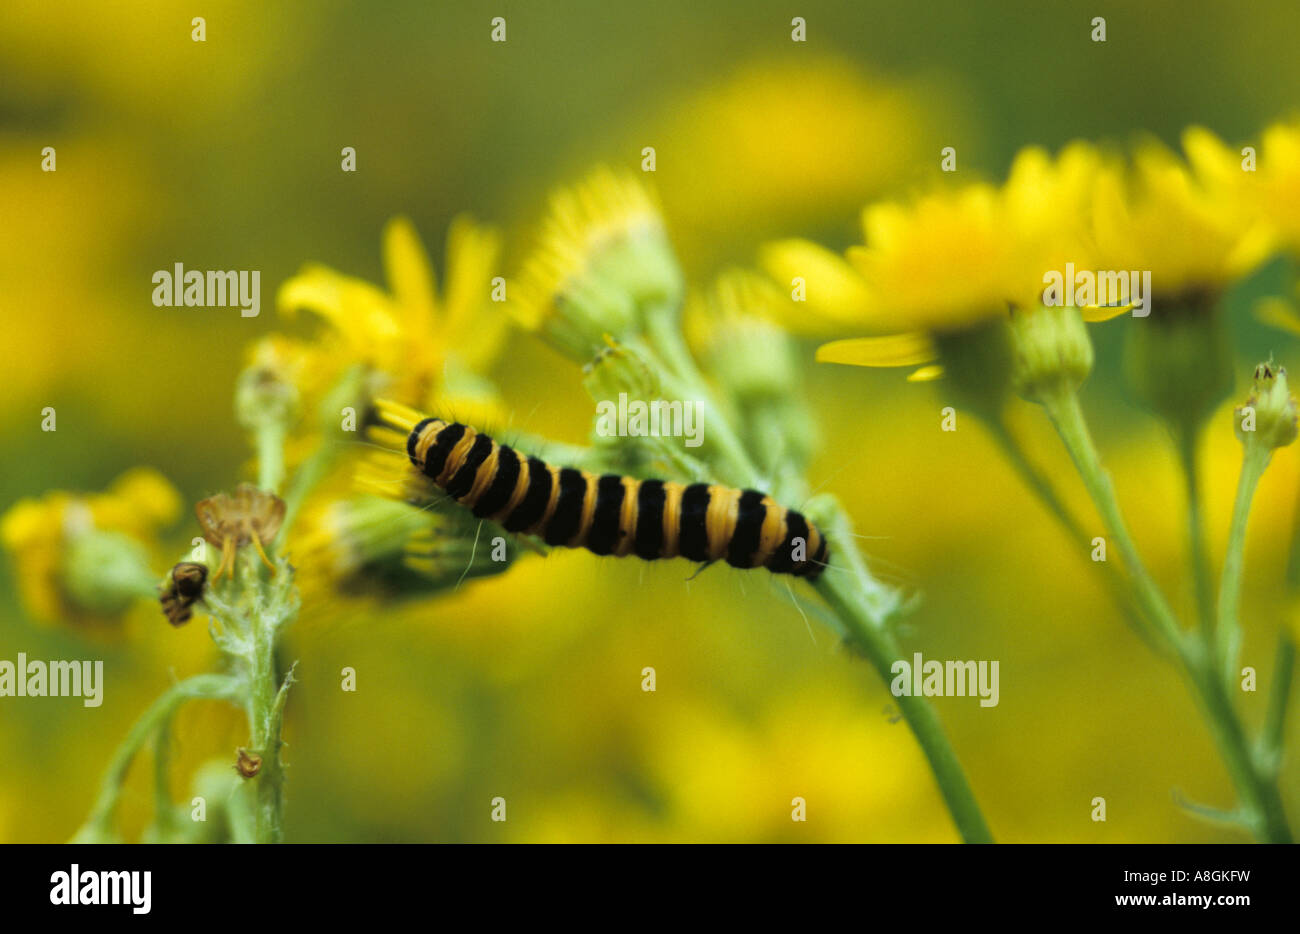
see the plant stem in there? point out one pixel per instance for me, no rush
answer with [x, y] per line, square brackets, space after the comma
[859, 601]
[265, 720]
[1067, 416]
[98, 825]
[1198, 553]
[164, 816]
[303, 481]
[270, 455]
[1271, 740]
[856, 600]
[1258, 792]
[1265, 813]
[664, 336]
[1227, 632]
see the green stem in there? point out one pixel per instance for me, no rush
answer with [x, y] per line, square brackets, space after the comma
[861, 603]
[1259, 794]
[1197, 551]
[856, 599]
[265, 717]
[675, 359]
[98, 825]
[164, 814]
[303, 481]
[272, 605]
[1067, 416]
[1227, 632]
[1271, 740]
[270, 455]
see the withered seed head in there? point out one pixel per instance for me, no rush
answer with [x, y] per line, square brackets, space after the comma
[230, 522]
[248, 764]
[238, 518]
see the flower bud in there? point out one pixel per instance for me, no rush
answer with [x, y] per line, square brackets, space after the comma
[265, 392]
[1051, 350]
[1269, 416]
[378, 545]
[618, 380]
[603, 264]
[84, 558]
[732, 333]
[105, 571]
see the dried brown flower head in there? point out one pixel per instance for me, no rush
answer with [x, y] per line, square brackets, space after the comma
[248, 764]
[232, 521]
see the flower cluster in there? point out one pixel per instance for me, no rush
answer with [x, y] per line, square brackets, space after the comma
[967, 283]
[972, 284]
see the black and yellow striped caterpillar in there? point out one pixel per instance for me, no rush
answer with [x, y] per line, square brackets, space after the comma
[608, 514]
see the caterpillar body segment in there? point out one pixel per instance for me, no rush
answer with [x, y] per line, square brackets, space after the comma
[608, 514]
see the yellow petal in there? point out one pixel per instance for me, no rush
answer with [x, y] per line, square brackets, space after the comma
[27, 521]
[909, 349]
[409, 274]
[836, 298]
[1278, 313]
[473, 324]
[357, 310]
[1211, 159]
[1105, 312]
[926, 374]
[149, 494]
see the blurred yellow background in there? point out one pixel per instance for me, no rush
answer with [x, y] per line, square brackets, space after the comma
[225, 155]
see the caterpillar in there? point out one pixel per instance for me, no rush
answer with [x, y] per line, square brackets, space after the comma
[607, 514]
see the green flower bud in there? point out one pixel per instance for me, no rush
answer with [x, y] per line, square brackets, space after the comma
[105, 571]
[732, 332]
[1051, 351]
[264, 395]
[603, 265]
[620, 369]
[621, 379]
[1269, 416]
[376, 544]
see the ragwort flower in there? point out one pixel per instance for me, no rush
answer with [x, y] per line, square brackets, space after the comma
[84, 558]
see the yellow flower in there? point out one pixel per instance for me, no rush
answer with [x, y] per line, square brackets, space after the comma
[603, 262]
[410, 345]
[1195, 228]
[1279, 181]
[783, 144]
[732, 330]
[946, 263]
[413, 344]
[380, 530]
[82, 558]
[1278, 195]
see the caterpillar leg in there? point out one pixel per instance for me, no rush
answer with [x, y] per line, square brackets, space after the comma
[701, 569]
